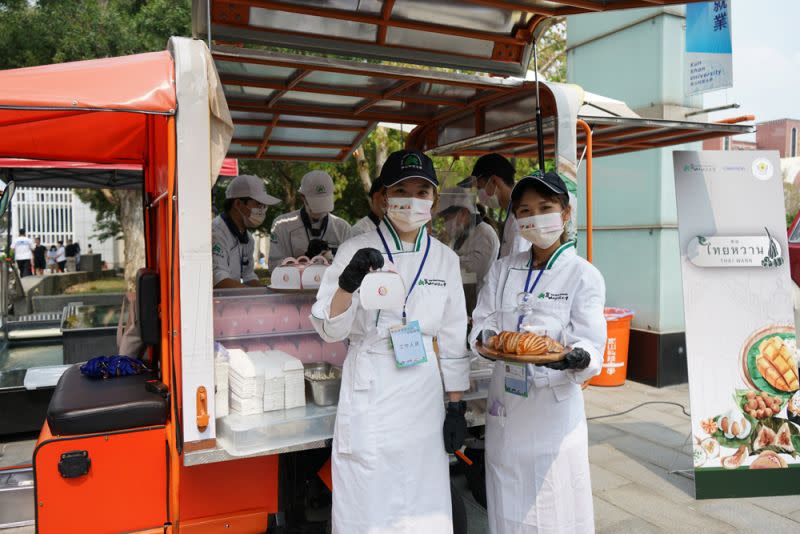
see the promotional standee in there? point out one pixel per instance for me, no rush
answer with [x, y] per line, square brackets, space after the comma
[740, 335]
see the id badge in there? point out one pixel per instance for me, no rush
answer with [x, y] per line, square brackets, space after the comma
[516, 379]
[408, 345]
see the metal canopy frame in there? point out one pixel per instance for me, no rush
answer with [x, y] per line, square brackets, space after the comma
[492, 36]
[292, 107]
[610, 136]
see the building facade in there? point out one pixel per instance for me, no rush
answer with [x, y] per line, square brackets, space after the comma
[57, 214]
[782, 135]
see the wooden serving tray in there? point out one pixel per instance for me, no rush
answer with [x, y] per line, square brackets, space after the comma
[492, 354]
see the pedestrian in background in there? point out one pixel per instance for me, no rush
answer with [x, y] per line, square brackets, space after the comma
[39, 257]
[61, 257]
[23, 253]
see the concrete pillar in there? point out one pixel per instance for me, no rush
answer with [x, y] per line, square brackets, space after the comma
[638, 56]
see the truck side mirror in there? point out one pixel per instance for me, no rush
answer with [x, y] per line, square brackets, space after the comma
[5, 199]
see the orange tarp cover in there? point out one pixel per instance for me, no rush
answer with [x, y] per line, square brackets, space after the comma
[92, 111]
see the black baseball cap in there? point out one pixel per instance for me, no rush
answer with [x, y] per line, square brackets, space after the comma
[489, 165]
[405, 164]
[551, 180]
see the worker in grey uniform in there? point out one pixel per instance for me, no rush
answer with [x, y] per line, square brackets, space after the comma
[493, 176]
[475, 241]
[375, 216]
[313, 229]
[246, 202]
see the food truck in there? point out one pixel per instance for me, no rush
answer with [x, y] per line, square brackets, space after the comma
[162, 439]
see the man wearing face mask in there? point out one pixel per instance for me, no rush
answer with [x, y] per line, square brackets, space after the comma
[311, 230]
[474, 241]
[246, 202]
[493, 175]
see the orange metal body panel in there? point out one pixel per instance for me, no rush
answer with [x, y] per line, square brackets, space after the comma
[242, 523]
[125, 489]
[225, 488]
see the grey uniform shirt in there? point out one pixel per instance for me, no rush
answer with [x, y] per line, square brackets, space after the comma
[289, 239]
[362, 226]
[479, 251]
[230, 257]
[512, 241]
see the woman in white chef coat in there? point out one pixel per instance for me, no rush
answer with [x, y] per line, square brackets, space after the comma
[393, 433]
[537, 464]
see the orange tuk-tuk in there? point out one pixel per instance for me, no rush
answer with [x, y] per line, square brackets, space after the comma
[153, 452]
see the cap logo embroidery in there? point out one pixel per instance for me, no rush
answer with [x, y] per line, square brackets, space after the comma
[321, 189]
[411, 161]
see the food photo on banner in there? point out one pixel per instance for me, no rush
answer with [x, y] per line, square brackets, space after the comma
[740, 332]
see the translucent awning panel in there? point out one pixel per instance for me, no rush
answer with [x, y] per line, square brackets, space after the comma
[491, 36]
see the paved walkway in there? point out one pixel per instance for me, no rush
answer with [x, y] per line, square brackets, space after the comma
[637, 462]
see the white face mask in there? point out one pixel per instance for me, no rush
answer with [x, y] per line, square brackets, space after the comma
[541, 230]
[256, 217]
[408, 214]
[490, 201]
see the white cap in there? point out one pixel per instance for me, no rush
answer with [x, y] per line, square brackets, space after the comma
[456, 197]
[249, 186]
[317, 187]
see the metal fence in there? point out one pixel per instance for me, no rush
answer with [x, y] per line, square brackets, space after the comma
[44, 213]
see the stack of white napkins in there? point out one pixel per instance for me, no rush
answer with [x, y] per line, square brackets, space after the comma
[246, 381]
[284, 383]
[221, 383]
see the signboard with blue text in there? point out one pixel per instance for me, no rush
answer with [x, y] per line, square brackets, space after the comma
[709, 59]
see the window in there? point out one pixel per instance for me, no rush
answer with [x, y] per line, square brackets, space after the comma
[793, 146]
[726, 143]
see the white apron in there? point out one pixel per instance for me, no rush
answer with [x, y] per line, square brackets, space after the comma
[537, 463]
[390, 470]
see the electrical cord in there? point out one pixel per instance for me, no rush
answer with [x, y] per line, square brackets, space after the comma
[681, 406]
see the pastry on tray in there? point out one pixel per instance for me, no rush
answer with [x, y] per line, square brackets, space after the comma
[523, 343]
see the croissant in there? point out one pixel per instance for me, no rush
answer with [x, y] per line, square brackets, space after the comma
[532, 344]
[553, 345]
[511, 343]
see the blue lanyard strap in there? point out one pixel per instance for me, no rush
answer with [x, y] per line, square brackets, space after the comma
[528, 287]
[419, 271]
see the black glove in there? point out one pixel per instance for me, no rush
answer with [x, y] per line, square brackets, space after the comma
[577, 359]
[316, 247]
[455, 426]
[485, 335]
[361, 263]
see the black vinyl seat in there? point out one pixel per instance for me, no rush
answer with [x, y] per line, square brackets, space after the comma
[82, 405]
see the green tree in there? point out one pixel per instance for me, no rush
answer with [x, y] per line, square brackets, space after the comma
[54, 31]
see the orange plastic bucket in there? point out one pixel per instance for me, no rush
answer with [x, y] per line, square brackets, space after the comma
[615, 359]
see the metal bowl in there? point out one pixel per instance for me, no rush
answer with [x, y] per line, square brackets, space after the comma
[323, 392]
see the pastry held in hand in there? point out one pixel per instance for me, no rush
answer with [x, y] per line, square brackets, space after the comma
[523, 343]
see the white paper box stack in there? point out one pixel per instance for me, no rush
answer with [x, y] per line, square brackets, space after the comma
[291, 368]
[246, 381]
[221, 383]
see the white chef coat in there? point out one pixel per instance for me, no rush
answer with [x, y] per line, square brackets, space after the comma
[289, 238]
[537, 463]
[479, 251]
[22, 247]
[390, 469]
[230, 257]
[512, 242]
[363, 225]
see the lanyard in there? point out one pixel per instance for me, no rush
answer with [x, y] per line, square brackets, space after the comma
[530, 289]
[419, 271]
